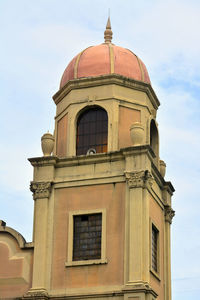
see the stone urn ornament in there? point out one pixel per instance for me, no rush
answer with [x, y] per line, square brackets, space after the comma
[162, 168]
[47, 143]
[137, 133]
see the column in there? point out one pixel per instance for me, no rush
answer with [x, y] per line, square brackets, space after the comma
[169, 214]
[139, 182]
[41, 192]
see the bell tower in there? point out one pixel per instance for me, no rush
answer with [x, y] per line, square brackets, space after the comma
[102, 206]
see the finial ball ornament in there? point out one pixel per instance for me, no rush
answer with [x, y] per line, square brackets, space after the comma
[137, 134]
[162, 168]
[47, 143]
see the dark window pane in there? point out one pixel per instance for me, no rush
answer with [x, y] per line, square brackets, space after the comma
[87, 237]
[154, 248]
[92, 131]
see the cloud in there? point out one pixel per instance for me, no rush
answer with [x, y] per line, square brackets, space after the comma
[37, 46]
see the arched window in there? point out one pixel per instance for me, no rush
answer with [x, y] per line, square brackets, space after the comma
[92, 131]
[154, 137]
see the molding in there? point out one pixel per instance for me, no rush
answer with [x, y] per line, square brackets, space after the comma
[102, 260]
[152, 271]
[155, 274]
[107, 80]
[164, 185]
[139, 179]
[138, 150]
[113, 291]
[121, 101]
[40, 189]
[43, 161]
[36, 293]
[139, 287]
[90, 159]
[15, 234]
[90, 262]
[98, 180]
[169, 214]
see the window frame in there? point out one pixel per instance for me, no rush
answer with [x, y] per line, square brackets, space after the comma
[152, 270]
[88, 135]
[70, 262]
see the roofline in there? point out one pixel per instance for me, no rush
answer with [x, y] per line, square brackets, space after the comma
[117, 79]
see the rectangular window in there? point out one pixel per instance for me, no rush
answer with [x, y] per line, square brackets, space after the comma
[87, 237]
[154, 248]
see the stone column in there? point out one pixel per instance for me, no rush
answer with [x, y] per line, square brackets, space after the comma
[41, 192]
[169, 214]
[139, 182]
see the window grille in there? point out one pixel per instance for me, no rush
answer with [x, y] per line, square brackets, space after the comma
[154, 248]
[92, 131]
[87, 237]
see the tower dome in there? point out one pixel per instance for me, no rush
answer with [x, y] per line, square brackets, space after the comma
[104, 59]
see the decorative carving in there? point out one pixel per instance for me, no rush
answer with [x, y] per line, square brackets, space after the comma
[47, 143]
[2, 223]
[40, 189]
[142, 179]
[35, 293]
[169, 214]
[162, 168]
[137, 134]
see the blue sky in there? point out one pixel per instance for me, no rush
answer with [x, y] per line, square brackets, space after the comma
[39, 38]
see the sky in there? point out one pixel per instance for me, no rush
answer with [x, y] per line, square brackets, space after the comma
[39, 38]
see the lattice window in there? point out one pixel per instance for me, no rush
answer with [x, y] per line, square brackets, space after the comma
[92, 131]
[87, 236]
[154, 248]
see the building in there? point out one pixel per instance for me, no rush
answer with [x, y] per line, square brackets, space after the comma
[102, 210]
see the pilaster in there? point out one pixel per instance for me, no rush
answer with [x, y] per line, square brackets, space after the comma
[169, 214]
[41, 193]
[139, 182]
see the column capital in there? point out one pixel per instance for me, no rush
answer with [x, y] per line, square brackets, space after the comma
[40, 189]
[169, 214]
[139, 179]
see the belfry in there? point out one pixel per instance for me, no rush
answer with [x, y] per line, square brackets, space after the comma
[102, 208]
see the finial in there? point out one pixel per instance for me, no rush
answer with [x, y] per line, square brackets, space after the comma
[108, 32]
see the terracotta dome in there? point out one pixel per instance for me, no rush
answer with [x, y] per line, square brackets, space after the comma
[104, 59]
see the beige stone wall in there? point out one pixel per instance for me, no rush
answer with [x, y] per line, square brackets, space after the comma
[127, 117]
[15, 267]
[109, 197]
[61, 143]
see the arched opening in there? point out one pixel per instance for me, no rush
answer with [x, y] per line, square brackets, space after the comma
[92, 131]
[154, 138]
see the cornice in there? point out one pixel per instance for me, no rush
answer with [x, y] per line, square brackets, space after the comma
[160, 180]
[132, 289]
[137, 150]
[43, 161]
[90, 159]
[16, 235]
[106, 80]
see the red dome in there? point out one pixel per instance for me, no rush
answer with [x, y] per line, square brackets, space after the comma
[105, 59]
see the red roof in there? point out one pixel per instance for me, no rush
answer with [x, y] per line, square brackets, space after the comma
[105, 59]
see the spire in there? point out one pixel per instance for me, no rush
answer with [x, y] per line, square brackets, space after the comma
[108, 32]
